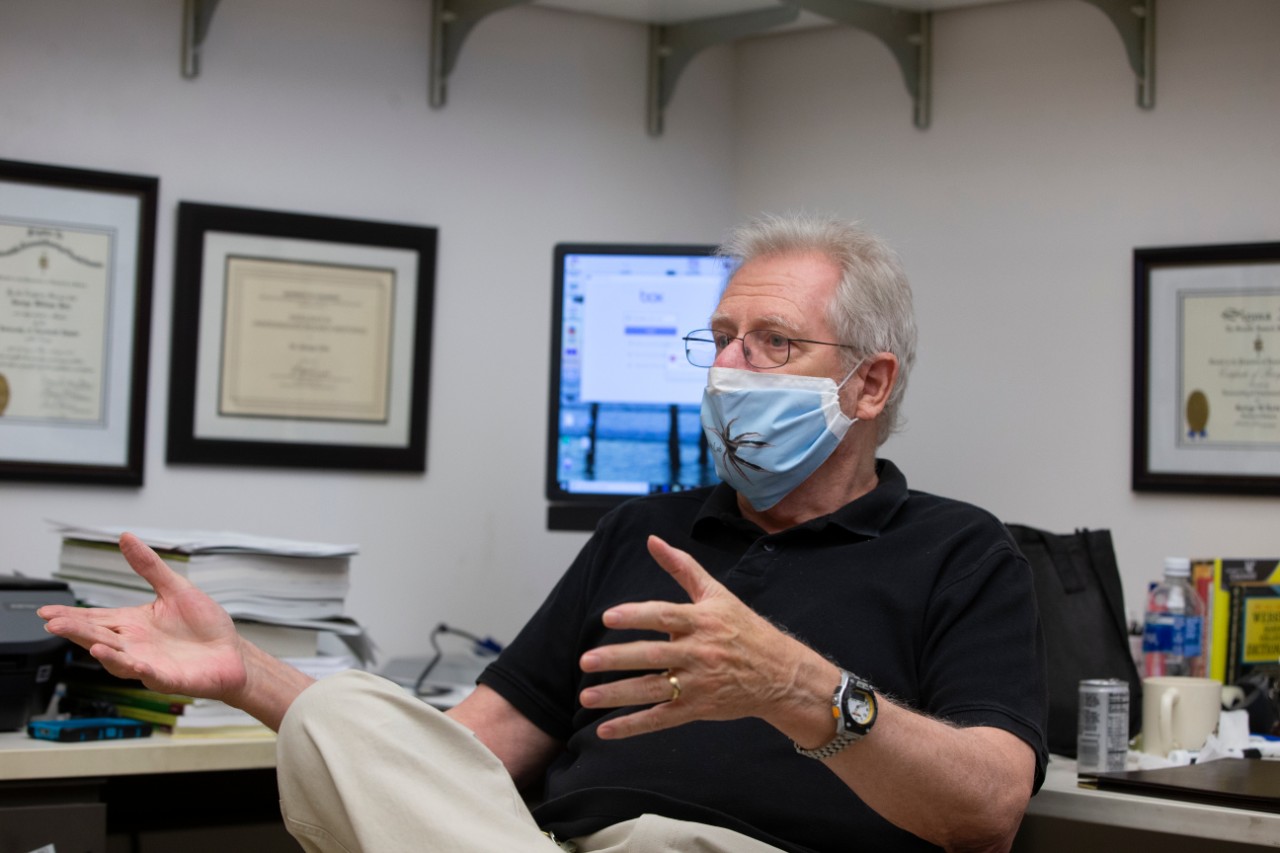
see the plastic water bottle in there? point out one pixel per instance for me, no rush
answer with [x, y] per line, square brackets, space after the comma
[1173, 630]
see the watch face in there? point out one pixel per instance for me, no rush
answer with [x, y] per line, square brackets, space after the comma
[858, 708]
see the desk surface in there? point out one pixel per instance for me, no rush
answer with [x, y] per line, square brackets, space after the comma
[1062, 797]
[23, 757]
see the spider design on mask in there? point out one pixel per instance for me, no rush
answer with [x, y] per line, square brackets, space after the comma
[732, 444]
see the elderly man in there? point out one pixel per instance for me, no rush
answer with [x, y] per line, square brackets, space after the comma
[807, 657]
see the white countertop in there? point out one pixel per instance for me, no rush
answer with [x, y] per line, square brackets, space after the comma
[24, 757]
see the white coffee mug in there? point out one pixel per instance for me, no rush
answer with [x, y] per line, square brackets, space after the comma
[1178, 712]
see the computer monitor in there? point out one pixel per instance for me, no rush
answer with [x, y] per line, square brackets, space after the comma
[624, 400]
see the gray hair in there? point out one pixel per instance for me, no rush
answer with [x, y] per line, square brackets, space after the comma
[872, 309]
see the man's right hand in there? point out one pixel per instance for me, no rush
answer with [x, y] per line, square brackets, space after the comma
[183, 642]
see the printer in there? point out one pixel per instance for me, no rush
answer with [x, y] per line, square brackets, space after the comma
[31, 659]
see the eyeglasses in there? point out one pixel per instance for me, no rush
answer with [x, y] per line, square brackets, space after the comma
[763, 349]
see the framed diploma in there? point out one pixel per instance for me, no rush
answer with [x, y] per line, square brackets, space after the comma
[300, 340]
[76, 256]
[1206, 415]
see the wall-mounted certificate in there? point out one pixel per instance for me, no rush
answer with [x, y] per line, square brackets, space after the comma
[75, 296]
[55, 290]
[1207, 369]
[300, 340]
[307, 341]
[1230, 383]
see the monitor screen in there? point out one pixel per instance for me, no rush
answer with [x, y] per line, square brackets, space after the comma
[625, 402]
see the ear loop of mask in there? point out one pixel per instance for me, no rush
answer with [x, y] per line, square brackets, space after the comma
[848, 375]
[853, 419]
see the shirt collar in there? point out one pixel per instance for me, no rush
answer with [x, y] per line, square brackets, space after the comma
[865, 517]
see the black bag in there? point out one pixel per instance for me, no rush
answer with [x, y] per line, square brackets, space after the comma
[1082, 615]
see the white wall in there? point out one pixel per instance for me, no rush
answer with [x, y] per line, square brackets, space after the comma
[321, 107]
[1016, 214]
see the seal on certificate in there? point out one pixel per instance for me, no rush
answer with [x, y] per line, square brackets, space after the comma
[4, 393]
[1197, 414]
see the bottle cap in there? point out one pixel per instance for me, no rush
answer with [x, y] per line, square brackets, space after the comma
[1177, 566]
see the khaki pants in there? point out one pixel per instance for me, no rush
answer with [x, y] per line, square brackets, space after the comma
[364, 766]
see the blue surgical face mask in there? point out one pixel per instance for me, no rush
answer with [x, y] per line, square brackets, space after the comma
[770, 431]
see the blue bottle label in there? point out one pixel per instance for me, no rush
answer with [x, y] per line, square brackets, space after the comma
[1173, 633]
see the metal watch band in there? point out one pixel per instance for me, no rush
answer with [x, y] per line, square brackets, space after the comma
[828, 749]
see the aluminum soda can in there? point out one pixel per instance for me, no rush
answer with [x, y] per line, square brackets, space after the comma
[1102, 739]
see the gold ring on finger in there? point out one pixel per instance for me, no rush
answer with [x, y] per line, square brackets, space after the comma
[675, 686]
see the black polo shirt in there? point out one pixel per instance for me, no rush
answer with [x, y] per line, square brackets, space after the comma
[925, 597]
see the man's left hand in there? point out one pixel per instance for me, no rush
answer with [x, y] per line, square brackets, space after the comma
[728, 660]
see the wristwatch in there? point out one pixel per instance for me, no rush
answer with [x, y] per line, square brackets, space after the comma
[854, 707]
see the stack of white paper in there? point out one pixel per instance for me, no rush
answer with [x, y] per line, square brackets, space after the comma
[252, 577]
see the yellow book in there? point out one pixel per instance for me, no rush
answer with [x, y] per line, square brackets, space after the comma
[1227, 573]
[219, 725]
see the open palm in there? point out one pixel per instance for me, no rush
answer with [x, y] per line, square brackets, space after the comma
[183, 642]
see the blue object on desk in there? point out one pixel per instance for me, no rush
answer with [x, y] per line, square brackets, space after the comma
[81, 729]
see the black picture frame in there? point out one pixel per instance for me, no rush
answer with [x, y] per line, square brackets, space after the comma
[1206, 392]
[77, 255]
[232, 262]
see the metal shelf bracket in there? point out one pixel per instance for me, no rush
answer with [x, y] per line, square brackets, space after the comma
[451, 21]
[671, 46]
[196, 16]
[1136, 21]
[907, 34]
